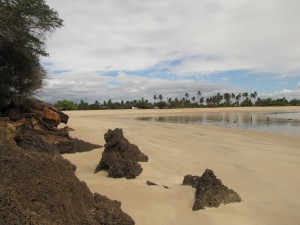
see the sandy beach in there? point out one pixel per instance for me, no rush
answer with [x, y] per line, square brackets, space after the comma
[262, 167]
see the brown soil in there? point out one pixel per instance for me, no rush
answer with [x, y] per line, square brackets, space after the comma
[41, 188]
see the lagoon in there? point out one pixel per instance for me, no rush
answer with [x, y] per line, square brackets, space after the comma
[279, 122]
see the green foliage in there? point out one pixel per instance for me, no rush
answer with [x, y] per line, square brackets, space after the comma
[23, 28]
[83, 105]
[295, 102]
[94, 106]
[227, 98]
[247, 102]
[65, 105]
[273, 102]
[161, 105]
[143, 105]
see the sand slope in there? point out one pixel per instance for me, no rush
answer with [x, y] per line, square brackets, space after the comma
[262, 167]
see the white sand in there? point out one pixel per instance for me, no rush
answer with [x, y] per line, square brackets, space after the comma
[264, 168]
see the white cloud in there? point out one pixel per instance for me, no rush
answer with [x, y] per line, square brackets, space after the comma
[134, 35]
[288, 94]
[202, 37]
[95, 86]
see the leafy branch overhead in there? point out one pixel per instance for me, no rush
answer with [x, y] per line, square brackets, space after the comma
[27, 22]
[24, 25]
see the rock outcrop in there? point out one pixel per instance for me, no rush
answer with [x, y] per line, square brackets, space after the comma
[31, 139]
[191, 180]
[210, 192]
[38, 189]
[120, 157]
[34, 126]
[73, 145]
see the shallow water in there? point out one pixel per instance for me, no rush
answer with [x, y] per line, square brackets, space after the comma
[278, 122]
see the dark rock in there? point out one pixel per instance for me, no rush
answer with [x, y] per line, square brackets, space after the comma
[36, 188]
[31, 139]
[49, 122]
[210, 192]
[166, 187]
[124, 168]
[190, 180]
[150, 183]
[74, 145]
[120, 157]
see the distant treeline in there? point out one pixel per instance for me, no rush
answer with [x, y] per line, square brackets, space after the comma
[218, 100]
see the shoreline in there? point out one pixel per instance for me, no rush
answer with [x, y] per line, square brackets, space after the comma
[134, 112]
[262, 167]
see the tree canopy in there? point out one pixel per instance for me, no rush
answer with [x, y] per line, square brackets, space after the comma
[23, 28]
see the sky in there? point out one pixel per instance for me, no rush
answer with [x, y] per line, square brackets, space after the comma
[129, 49]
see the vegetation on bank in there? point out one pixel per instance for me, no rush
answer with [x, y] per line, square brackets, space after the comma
[218, 100]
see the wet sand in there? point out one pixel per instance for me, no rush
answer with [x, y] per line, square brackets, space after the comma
[262, 167]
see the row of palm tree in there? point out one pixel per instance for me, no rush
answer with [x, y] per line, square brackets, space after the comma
[217, 100]
[226, 99]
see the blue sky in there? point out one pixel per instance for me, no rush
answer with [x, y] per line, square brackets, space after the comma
[128, 49]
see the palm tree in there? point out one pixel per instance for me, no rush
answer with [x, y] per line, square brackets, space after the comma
[187, 95]
[227, 98]
[199, 94]
[233, 97]
[255, 93]
[208, 101]
[160, 97]
[217, 99]
[238, 98]
[170, 101]
[245, 95]
[201, 100]
[193, 99]
[155, 98]
[253, 96]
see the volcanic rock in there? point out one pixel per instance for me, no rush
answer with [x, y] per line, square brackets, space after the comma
[150, 183]
[120, 157]
[52, 143]
[190, 180]
[38, 189]
[210, 192]
[74, 145]
[30, 141]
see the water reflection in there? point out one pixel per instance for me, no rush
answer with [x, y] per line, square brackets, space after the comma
[288, 122]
